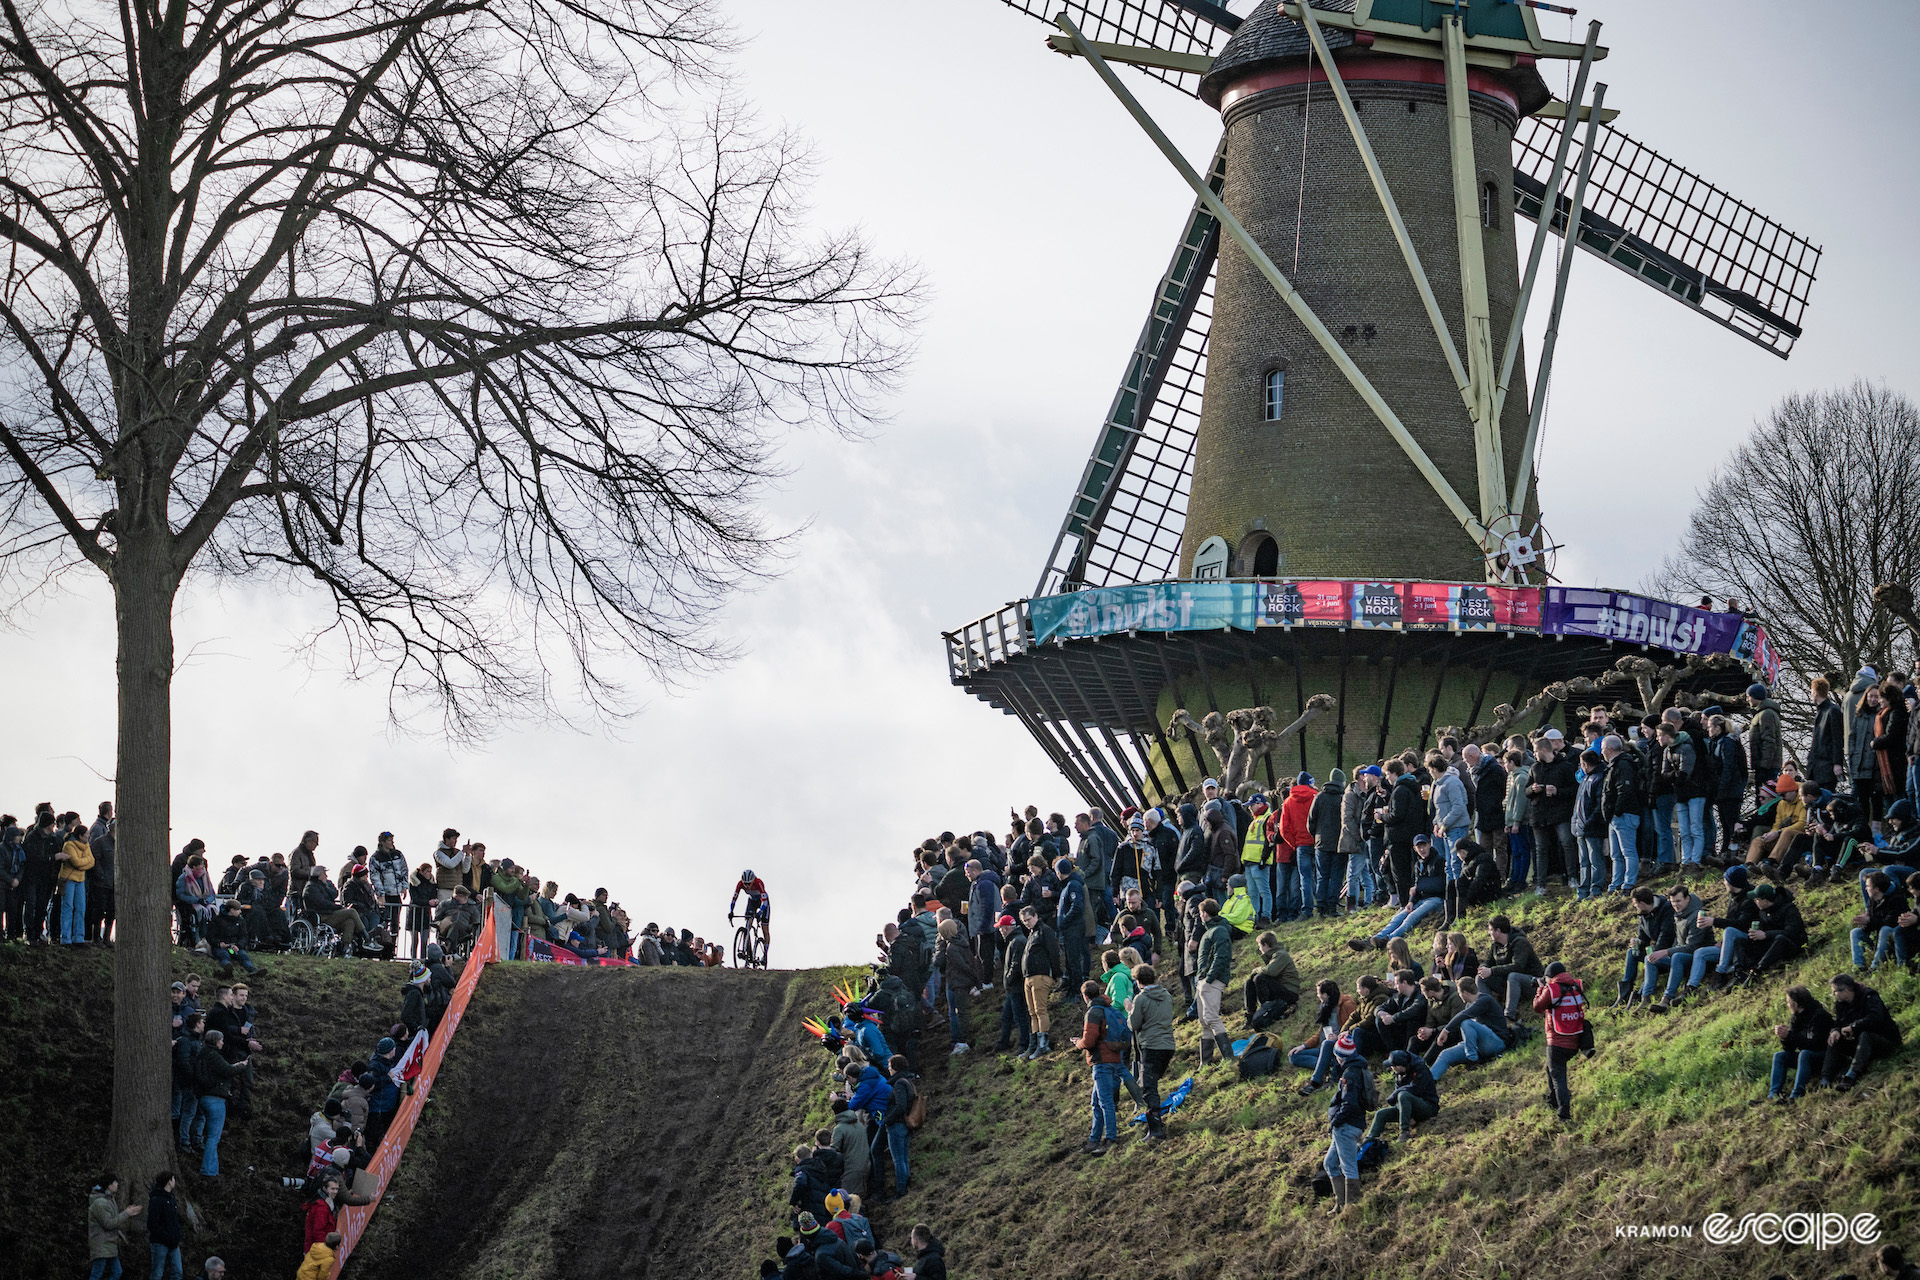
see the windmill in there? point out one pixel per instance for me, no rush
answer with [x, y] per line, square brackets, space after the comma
[1331, 380]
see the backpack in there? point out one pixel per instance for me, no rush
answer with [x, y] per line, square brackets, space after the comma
[1269, 1013]
[1373, 1153]
[1118, 1032]
[1258, 1059]
[1369, 1089]
[1567, 1015]
[917, 1110]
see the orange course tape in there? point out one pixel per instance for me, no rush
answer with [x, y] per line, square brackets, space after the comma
[352, 1221]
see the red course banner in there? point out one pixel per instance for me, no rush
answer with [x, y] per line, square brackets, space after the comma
[1395, 606]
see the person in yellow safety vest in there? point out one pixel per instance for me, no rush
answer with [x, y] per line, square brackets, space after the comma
[1256, 863]
[1237, 910]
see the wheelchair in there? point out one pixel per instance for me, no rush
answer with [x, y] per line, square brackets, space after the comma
[313, 936]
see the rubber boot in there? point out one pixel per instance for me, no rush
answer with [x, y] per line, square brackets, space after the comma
[1339, 1197]
[1620, 1001]
[1206, 1050]
[1224, 1046]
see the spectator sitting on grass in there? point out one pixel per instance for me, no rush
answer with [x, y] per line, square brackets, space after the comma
[227, 939]
[1477, 1033]
[1879, 923]
[1414, 1096]
[1803, 1044]
[1863, 1030]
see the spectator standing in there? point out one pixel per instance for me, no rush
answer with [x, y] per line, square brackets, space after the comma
[450, 862]
[106, 1228]
[1213, 970]
[1551, 786]
[1827, 753]
[1150, 1018]
[1346, 1113]
[1729, 787]
[100, 912]
[213, 1076]
[76, 860]
[163, 1230]
[1041, 964]
[387, 873]
[891, 1138]
[38, 848]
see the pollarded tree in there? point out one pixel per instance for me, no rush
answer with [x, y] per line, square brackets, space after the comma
[448, 309]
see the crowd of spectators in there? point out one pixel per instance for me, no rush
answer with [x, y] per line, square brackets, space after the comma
[1113, 925]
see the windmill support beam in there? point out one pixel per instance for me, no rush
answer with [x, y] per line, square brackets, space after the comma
[1523, 476]
[1478, 314]
[1138, 55]
[1288, 294]
[1574, 112]
[1388, 205]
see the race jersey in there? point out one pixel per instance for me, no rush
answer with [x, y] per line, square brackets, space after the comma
[756, 891]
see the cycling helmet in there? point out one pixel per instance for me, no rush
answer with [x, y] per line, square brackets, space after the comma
[746, 875]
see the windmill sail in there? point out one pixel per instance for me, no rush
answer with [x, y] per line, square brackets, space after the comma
[1130, 507]
[1177, 26]
[1678, 232]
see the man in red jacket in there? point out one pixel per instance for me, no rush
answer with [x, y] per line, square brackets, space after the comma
[1297, 879]
[1562, 1001]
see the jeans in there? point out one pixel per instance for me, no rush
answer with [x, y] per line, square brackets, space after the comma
[1803, 1071]
[1444, 845]
[1519, 856]
[1889, 939]
[1663, 827]
[1701, 959]
[1408, 1108]
[193, 1121]
[1913, 782]
[1013, 1017]
[1730, 943]
[1359, 883]
[1286, 893]
[892, 1138]
[1407, 917]
[1896, 874]
[1308, 861]
[1106, 1081]
[104, 1269]
[215, 1110]
[1476, 1042]
[1693, 830]
[226, 957]
[1557, 1058]
[1343, 1153]
[957, 1015]
[73, 911]
[166, 1262]
[1544, 840]
[1259, 889]
[1624, 835]
[1594, 869]
[1675, 961]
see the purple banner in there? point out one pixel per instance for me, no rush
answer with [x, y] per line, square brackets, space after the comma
[1616, 615]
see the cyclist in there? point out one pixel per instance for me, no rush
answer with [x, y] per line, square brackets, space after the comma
[757, 905]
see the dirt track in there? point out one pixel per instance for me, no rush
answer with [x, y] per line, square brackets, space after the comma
[597, 1123]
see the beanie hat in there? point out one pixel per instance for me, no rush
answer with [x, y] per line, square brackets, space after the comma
[1338, 778]
[1786, 784]
[1236, 882]
[1064, 866]
[1901, 809]
[1344, 1048]
[1766, 891]
[385, 1046]
[807, 1223]
[341, 1157]
[1756, 691]
[1736, 878]
[836, 1200]
[1256, 798]
[1555, 969]
[1303, 779]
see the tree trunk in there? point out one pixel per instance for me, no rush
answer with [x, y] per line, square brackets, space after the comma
[139, 1142]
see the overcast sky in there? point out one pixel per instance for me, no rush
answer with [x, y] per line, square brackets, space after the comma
[1042, 218]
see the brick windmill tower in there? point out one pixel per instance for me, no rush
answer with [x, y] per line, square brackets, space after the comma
[1330, 384]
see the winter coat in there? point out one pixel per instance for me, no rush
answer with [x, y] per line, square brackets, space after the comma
[447, 866]
[931, 1263]
[1013, 957]
[961, 970]
[850, 1140]
[106, 1225]
[1418, 1082]
[1764, 752]
[1043, 957]
[1515, 955]
[1151, 1017]
[1406, 813]
[1072, 915]
[871, 1092]
[1859, 733]
[1340, 1015]
[1489, 794]
[1450, 810]
[1519, 806]
[1783, 918]
[1280, 970]
[79, 860]
[387, 871]
[1558, 773]
[1223, 849]
[1349, 1105]
[1354, 803]
[163, 1220]
[1215, 962]
[983, 903]
[1886, 913]
[1742, 911]
[1828, 748]
[1866, 1012]
[317, 1265]
[1096, 855]
[1691, 936]
[1732, 760]
[1589, 806]
[1324, 818]
[1808, 1029]
[1656, 928]
[1567, 991]
[1621, 793]
[1441, 1012]
[1296, 832]
[1890, 747]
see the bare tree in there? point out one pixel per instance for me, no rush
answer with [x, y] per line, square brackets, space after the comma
[453, 309]
[1816, 508]
[1241, 739]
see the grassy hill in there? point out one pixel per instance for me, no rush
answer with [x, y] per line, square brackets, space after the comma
[1492, 1187]
[56, 1074]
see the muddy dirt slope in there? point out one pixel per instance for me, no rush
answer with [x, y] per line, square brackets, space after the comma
[606, 1123]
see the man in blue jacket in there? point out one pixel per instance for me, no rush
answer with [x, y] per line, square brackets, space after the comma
[1070, 921]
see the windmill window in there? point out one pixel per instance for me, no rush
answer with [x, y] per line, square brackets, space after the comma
[1266, 557]
[1276, 393]
[1489, 206]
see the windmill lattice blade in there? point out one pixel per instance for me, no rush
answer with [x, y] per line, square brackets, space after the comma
[1656, 220]
[1178, 26]
[1127, 516]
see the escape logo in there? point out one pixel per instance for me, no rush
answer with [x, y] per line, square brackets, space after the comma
[1821, 1230]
